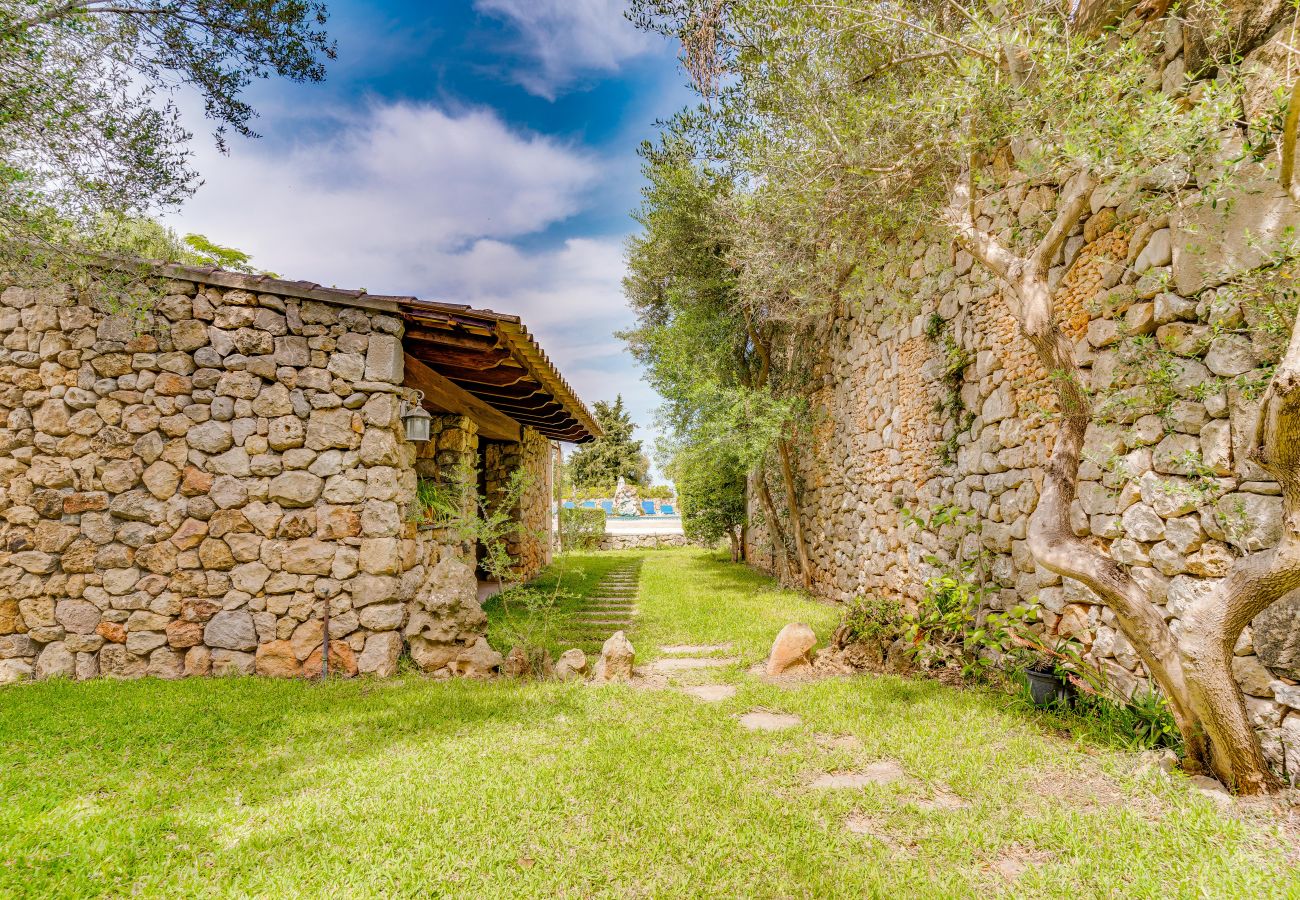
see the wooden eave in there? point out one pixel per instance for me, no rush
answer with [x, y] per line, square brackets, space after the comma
[493, 357]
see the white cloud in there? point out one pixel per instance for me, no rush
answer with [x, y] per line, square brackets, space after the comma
[411, 199]
[394, 183]
[567, 38]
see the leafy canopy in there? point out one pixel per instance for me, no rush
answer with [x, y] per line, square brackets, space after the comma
[89, 127]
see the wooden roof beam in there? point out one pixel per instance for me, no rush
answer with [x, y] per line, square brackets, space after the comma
[441, 395]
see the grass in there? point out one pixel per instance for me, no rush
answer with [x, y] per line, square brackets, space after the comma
[414, 788]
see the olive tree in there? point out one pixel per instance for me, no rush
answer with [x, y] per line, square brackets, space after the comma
[90, 131]
[852, 122]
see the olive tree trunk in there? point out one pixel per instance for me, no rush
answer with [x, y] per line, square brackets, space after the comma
[1194, 671]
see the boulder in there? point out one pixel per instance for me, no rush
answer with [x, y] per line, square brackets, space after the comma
[231, 630]
[1212, 245]
[616, 658]
[1255, 680]
[232, 662]
[296, 489]
[276, 659]
[479, 660]
[431, 656]
[13, 670]
[1276, 635]
[55, 661]
[516, 663]
[343, 662]
[571, 664]
[792, 649]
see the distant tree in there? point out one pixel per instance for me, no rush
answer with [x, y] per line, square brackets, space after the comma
[711, 491]
[600, 463]
[88, 128]
[218, 255]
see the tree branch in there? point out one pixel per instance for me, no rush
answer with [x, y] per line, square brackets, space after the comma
[1072, 206]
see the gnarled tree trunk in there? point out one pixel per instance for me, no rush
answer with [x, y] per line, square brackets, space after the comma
[1212, 625]
[796, 520]
[1051, 538]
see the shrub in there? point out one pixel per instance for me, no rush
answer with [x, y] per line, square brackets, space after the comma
[581, 529]
[874, 620]
[948, 629]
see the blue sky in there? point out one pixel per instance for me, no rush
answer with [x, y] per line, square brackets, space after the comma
[475, 151]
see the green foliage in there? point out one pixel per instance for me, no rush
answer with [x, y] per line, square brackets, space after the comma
[841, 126]
[215, 254]
[600, 463]
[489, 527]
[711, 491]
[537, 615]
[89, 128]
[580, 528]
[875, 620]
[710, 354]
[949, 628]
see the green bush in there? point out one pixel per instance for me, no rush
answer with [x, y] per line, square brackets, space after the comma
[581, 528]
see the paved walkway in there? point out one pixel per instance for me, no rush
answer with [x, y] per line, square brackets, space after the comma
[610, 608]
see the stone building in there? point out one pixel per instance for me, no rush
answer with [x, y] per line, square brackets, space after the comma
[925, 395]
[209, 480]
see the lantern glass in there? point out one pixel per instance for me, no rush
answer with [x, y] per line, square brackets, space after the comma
[416, 419]
[417, 426]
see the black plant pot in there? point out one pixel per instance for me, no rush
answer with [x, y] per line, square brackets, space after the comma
[1046, 687]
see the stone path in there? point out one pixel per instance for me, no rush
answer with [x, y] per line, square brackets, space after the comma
[610, 608]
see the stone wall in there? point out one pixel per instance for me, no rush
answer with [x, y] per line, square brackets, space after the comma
[530, 545]
[924, 395]
[642, 541]
[190, 490]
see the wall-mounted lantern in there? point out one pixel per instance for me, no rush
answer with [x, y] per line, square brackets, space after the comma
[416, 418]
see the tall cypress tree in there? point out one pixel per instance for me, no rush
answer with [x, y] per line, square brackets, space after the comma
[600, 463]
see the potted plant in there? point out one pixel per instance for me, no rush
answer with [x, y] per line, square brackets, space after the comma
[1044, 667]
[1046, 686]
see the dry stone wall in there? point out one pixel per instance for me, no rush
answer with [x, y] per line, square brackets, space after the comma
[191, 488]
[924, 396]
[530, 545]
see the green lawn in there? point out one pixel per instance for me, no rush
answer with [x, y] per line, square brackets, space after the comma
[413, 788]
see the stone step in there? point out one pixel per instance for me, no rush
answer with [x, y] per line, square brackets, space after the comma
[694, 649]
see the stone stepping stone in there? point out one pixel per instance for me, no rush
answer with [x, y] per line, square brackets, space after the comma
[693, 649]
[769, 721]
[710, 693]
[883, 772]
[690, 663]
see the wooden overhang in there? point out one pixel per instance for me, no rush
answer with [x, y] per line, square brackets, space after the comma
[493, 358]
[474, 362]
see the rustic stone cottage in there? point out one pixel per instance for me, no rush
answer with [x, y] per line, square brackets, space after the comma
[212, 480]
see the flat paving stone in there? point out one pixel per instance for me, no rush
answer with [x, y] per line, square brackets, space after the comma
[693, 649]
[690, 663]
[710, 693]
[769, 721]
[883, 772]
